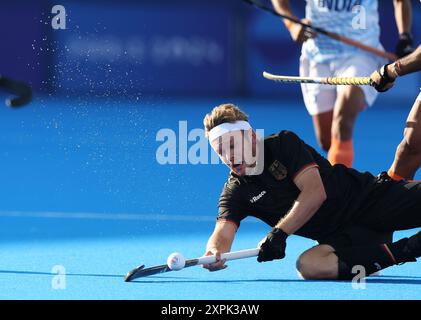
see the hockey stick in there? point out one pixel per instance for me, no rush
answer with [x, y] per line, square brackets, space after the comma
[356, 81]
[142, 272]
[21, 90]
[388, 55]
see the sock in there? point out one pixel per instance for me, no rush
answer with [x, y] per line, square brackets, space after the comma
[377, 257]
[394, 176]
[373, 258]
[407, 249]
[341, 152]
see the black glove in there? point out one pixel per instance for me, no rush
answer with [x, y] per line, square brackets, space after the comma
[385, 79]
[384, 177]
[273, 246]
[405, 45]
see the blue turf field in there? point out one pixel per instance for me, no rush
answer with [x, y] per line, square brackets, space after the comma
[81, 188]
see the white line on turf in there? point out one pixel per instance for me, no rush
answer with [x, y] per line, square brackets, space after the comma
[109, 216]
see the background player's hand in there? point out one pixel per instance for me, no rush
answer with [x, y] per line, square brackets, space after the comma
[300, 33]
[218, 265]
[383, 83]
[405, 45]
[273, 246]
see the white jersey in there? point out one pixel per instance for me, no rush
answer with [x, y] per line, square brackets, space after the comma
[355, 19]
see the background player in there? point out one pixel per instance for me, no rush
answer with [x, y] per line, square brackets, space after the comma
[334, 109]
[408, 154]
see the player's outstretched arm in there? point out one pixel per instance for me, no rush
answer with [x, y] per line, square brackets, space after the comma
[408, 64]
[220, 242]
[385, 77]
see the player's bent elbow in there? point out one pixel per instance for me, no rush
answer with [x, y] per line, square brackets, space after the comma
[322, 195]
[319, 195]
[311, 186]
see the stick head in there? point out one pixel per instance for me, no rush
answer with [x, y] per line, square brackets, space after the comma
[21, 90]
[130, 274]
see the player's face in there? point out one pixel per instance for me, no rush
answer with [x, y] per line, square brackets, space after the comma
[237, 150]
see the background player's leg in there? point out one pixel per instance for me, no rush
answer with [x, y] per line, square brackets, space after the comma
[408, 154]
[323, 128]
[319, 100]
[349, 103]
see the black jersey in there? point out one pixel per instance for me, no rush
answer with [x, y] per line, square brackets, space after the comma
[270, 195]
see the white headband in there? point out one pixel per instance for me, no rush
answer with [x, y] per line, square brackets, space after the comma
[223, 128]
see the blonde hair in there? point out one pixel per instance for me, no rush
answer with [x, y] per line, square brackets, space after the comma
[223, 113]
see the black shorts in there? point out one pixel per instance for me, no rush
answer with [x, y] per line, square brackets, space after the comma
[356, 235]
[392, 207]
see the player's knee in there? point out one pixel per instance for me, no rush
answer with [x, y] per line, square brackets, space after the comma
[306, 267]
[314, 267]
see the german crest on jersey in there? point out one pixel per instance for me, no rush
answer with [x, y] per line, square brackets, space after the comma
[278, 170]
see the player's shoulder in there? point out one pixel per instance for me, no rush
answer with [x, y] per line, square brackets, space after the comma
[237, 186]
[232, 189]
[232, 184]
